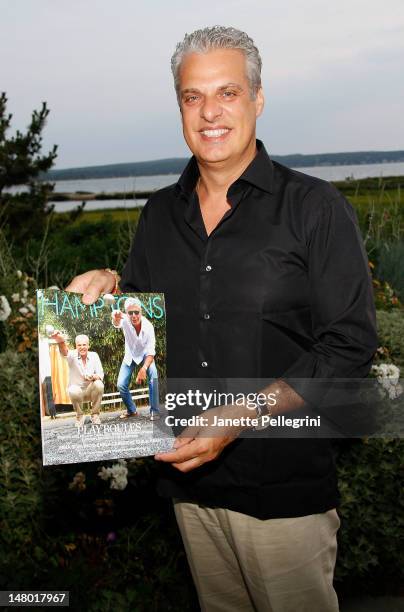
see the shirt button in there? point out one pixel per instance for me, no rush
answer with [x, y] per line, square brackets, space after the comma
[206, 316]
[204, 364]
[208, 268]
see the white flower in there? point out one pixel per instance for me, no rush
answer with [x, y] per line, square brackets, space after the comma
[25, 293]
[32, 308]
[117, 473]
[388, 376]
[15, 297]
[19, 273]
[23, 310]
[5, 309]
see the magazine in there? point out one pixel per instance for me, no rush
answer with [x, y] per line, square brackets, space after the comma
[102, 376]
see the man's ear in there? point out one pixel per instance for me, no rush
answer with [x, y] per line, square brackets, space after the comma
[259, 102]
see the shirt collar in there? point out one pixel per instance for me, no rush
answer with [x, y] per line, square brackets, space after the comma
[259, 173]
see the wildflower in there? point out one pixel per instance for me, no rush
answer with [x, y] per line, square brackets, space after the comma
[19, 273]
[23, 310]
[79, 482]
[117, 473]
[15, 297]
[388, 376]
[32, 308]
[5, 309]
[111, 537]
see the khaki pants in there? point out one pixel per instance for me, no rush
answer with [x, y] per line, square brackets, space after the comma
[243, 564]
[92, 393]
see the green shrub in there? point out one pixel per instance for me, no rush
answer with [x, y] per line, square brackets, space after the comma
[390, 268]
[371, 552]
[390, 327]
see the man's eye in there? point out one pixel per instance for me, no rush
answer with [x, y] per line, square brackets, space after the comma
[228, 94]
[192, 98]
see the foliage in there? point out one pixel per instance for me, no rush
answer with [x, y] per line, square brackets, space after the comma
[75, 246]
[391, 336]
[17, 288]
[24, 214]
[390, 268]
[371, 511]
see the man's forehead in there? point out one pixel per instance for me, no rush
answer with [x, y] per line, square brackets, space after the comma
[219, 67]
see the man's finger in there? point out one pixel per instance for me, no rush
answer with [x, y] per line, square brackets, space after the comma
[187, 466]
[186, 452]
[92, 284]
[181, 440]
[79, 283]
[100, 284]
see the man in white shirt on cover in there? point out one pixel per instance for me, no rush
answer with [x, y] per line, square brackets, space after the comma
[86, 376]
[140, 349]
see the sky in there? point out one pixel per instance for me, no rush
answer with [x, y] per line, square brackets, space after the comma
[332, 73]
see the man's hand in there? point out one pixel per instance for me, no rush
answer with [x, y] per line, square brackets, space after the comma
[92, 284]
[117, 316]
[58, 336]
[200, 444]
[141, 376]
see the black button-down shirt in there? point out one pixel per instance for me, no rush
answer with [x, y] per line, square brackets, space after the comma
[280, 288]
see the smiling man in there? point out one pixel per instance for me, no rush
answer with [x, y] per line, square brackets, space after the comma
[86, 376]
[264, 276]
[140, 349]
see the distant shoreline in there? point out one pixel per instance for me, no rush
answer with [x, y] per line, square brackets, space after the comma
[347, 186]
[177, 165]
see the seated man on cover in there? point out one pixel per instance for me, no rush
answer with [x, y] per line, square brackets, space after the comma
[86, 377]
[140, 349]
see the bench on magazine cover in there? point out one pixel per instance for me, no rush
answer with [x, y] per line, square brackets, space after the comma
[115, 398]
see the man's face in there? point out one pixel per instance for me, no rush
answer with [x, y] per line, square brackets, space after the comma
[218, 114]
[82, 347]
[135, 314]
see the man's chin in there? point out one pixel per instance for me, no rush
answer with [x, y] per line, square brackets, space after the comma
[217, 156]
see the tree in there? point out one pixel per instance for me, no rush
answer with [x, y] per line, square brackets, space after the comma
[23, 215]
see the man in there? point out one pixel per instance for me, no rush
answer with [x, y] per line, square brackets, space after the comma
[264, 276]
[140, 349]
[86, 377]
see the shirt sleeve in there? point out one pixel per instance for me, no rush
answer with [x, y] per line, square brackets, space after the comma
[98, 366]
[135, 274]
[150, 348]
[119, 326]
[341, 302]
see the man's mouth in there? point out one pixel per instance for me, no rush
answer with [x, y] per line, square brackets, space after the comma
[217, 133]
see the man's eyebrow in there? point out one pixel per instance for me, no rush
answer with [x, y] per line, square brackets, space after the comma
[190, 90]
[221, 88]
[233, 85]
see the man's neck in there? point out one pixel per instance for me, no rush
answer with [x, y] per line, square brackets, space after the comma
[216, 178]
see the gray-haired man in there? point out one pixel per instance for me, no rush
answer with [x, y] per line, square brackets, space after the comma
[140, 349]
[86, 376]
[264, 276]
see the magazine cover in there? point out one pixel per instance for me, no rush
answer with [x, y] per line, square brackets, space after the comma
[102, 376]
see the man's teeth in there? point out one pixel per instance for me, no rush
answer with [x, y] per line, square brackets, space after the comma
[215, 133]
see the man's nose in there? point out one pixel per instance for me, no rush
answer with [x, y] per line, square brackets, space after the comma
[211, 109]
